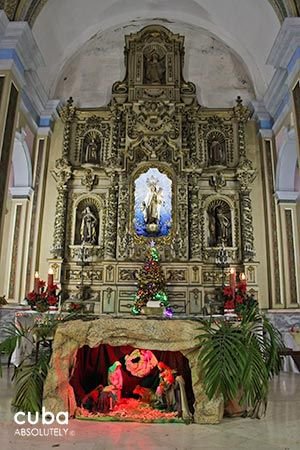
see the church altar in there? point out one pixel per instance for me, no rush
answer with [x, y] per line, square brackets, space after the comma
[139, 333]
[152, 165]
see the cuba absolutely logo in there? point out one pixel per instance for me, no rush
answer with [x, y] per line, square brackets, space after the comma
[46, 418]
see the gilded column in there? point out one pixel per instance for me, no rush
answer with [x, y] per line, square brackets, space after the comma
[62, 174]
[182, 217]
[111, 227]
[241, 114]
[246, 175]
[123, 217]
[194, 218]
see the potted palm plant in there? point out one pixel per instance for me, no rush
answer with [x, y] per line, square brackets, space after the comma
[238, 359]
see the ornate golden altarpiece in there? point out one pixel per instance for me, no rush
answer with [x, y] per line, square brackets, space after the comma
[152, 121]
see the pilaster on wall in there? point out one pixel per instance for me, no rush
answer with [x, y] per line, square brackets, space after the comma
[278, 121]
[39, 182]
[290, 253]
[275, 278]
[8, 114]
[282, 218]
[16, 232]
[21, 93]
[296, 111]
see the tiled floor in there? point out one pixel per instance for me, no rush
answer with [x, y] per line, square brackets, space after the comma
[280, 429]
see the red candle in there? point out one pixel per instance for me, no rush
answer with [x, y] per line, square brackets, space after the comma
[243, 282]
[50, 277]
[232, 281]
[36, 283]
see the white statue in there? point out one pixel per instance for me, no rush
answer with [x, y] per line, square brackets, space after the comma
[152, 204]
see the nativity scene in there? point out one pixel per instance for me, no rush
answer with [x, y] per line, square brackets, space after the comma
[137, 384]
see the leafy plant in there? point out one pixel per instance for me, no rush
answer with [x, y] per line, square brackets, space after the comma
[29, 381]
[238, 359]
[29, 376]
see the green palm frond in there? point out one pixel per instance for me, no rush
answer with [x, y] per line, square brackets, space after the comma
[254, 378]
[222, 358]
[29, 382]
[238, 359]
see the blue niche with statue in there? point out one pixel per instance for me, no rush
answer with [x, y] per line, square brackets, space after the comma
[153, 204]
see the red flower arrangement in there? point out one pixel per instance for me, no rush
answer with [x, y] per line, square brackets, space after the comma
[236, 297]
[42, 297]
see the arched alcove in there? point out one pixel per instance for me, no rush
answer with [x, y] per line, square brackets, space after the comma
[21, 163]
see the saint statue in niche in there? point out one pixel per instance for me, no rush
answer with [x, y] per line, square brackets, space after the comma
[91, 152]
[154, 69]
[216, 153]
[88, 232]
[220, 225]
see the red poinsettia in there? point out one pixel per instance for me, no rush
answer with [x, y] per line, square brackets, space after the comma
[31, 297]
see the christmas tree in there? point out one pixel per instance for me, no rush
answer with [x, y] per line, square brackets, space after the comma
[151, 285]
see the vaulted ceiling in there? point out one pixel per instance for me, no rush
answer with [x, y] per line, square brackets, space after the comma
[227, 42]
[29, 9]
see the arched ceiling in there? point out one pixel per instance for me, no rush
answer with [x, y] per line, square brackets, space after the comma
[29, 9]
[65, 29]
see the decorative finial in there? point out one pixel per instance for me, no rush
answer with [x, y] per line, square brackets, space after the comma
[239, 100]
